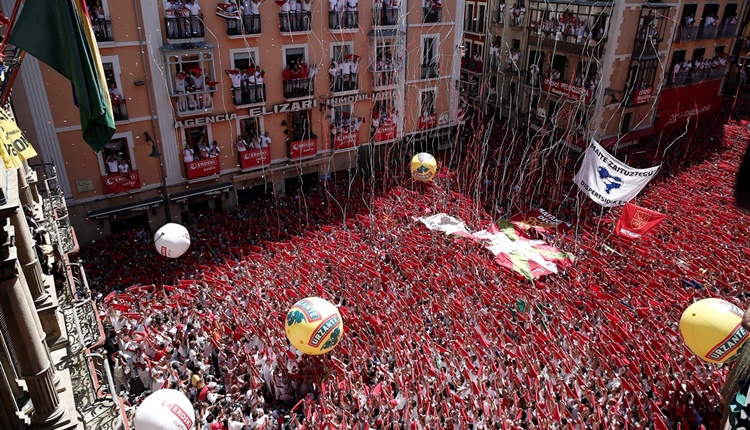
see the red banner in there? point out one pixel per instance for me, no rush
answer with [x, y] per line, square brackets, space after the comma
[541, 221]
[689, 94]
[121, 182]
[635, 221]
[303, 148]
[643, 96]
[429, 121]
[202, 168]
[385, 132]
[565, 89]
[345, 140]
[255, 158]
[679, 116]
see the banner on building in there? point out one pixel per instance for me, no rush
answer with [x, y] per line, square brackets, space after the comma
[636, 221]
[121, 182]
[607, 180]
[345, 140]
[255, 158]
[385, 132]
[14, 148]
[202, 168]
[303, 148]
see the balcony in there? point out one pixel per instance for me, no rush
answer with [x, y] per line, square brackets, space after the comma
[383, 78]
[429, 71]
[474, 66]
[646, 47]
[295, 22]
[684, 33]
[103, 30]
[432, 14]
[384, 16]
[248, 24]
[119, 110]
[566, 43]
[727, 30]
[343, 20]
[695, 76]
[500, 16]
[249, 94]
[195, 101]
[345, 139]
[299, 88]
[385, 131]
[254, 157]
[707, 31]
[344, 83]
[184, 27]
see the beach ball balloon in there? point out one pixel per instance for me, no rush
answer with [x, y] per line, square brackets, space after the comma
[712, 329]
[314, 326]
[423, 167]
[165, 410]
[172, 240]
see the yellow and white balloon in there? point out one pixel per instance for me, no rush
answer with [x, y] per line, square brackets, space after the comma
[712, 329]
[314, 326]
[423, 167]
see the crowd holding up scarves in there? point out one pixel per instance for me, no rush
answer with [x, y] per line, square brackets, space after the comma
[438, 334]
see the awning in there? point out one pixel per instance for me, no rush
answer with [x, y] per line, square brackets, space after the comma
[630, 136]
[127, 209]
[213, 190]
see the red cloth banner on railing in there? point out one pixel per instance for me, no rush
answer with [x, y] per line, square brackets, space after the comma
[121, 182]
[565, 89]
[202, 168]
[303, 148]
[255, 158]
[345, 140]
[385, 132]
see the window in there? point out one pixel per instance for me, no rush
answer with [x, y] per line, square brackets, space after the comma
[100, 21]
[516, 44]
[341, 120]
[626, 120]
[196, 138]
[678, 57]
[429, 58]
[299, 126]
[559, 64]
[427, 102]
[641, 77]
[191, 80]
[111, 66]
[298, 81]
[244, 59]
[431, 11]
[346, 73]
[469, 21]
[480, 18]
[116, 153]
[698, 54]
[250, 129]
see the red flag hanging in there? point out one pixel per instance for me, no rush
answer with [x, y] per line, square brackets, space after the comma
[635, 221]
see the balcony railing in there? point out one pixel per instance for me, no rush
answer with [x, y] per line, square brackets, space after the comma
[688, 78]
[727, 30]
[103, 29]
[344, 20]
[384, 16]
[570, 44]
[184, 27]
[195, 101]
[684, 33]
[383, 78]
[707, 31]
[429, 71]
[249, 94]
[292, 22]
[249, 24]
[119, 110]
[432, 14]
[297, 88]
[348, 82]
[646, 47]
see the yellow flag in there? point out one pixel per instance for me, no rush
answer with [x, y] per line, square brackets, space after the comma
[14, 147]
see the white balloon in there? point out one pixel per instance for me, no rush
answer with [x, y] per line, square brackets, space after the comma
[172, 240]
[165, 410]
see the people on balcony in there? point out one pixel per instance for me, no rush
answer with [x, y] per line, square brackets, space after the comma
[512, 60]
[213, 150]
[567, 28]
[123, 167]
[180, 87]
[385, 12]
[196, 15]
[519, 14]
[171, 10]
[112, 164]
[188, 154]
[501, 13]
[699, 69]
[495, 55]
[534, 75]
[241, 144]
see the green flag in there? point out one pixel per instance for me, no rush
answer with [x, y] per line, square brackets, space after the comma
[58, 33]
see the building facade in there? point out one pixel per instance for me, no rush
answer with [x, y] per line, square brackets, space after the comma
[288, 93]
[619, 72]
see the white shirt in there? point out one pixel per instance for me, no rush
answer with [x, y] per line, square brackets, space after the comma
[265, 141]
[169, 8]
[346, 67]
[236, 79]
[112, 165]
[194, 9]
[179, 85]
[254, 8]
[189, 155]
[306, 6]
[123, 168]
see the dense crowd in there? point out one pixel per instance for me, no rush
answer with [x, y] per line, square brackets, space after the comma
[436, 335]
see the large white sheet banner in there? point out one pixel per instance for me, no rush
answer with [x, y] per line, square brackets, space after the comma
[607, 180]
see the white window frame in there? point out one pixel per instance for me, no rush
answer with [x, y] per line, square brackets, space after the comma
[252, 53]
[261, 124]
[436, 47]
[469, 17]
[172, 76]
[349, 45]
[484, 18]
[183, 137]
[128, 135]
[115, 61]
[481, 45]
[422, 91]
[294, 46]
